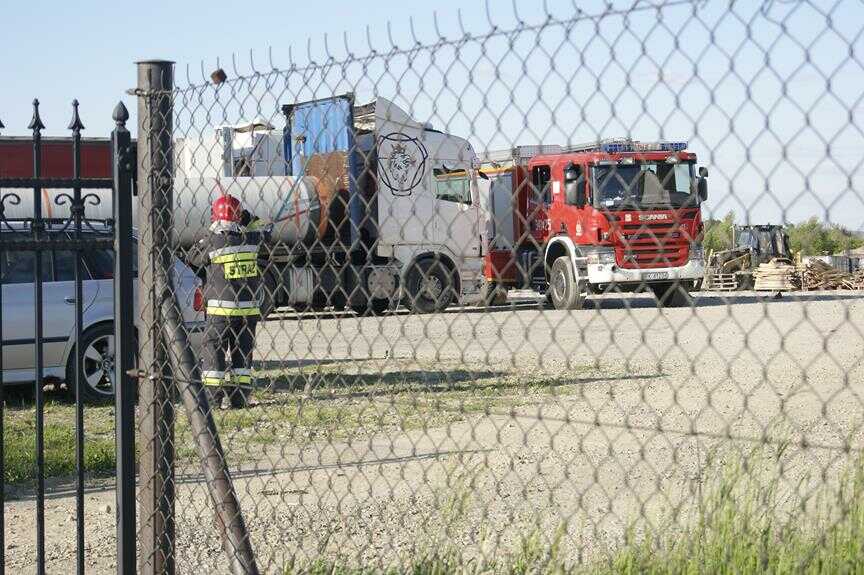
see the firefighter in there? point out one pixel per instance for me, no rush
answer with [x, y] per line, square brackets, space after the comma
[229, 255]
[268, 295]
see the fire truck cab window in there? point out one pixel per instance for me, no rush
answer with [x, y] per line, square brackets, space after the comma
[452, 185]
[541, 177]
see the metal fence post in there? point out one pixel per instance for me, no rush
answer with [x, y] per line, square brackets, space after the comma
[166, 356]
[38, 230]
[155, 171]
[124, 326]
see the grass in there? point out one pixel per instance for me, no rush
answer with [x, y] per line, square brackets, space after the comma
[530, 558]
[743, 524]
[326, 403]
[19, 441]
[746, 525]
[302, 404]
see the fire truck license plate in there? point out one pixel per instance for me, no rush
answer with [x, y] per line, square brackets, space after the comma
[656, 276]
[239, 270]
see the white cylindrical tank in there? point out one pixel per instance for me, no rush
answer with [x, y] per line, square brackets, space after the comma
[293, 205]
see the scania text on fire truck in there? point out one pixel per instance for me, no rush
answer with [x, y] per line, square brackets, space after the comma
[616, 215]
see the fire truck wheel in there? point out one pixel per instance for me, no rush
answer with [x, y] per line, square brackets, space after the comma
[672, 295]
[564, 292]
[430, 287]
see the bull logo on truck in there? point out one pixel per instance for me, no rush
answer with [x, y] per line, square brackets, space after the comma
[400, 165]
[403, 160]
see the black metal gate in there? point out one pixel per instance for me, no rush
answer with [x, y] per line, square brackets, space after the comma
[38, 235]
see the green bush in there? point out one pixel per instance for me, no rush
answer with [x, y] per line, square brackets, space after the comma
[815, 238]
[718, 233]
[810, 238]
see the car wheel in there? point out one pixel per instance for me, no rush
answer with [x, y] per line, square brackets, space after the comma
[97, 366]
[430, 287]
[672, 295]
[564, 291]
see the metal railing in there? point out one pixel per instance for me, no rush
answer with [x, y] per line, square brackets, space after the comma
[44, 239]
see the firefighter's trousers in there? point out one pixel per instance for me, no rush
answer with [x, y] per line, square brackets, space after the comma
[224, 337]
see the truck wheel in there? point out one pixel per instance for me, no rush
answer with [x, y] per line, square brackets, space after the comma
[430, 287]
[672, 295]
[564, 292]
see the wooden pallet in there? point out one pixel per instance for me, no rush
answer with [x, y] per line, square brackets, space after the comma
[777, 275]
[722, 282]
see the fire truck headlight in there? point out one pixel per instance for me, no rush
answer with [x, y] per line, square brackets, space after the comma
[601, 256]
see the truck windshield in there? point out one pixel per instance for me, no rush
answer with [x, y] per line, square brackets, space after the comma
[644, 185]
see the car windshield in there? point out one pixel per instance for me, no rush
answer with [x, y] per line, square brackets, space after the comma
[644, 185]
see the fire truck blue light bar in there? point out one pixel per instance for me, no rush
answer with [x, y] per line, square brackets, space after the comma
[621, 147]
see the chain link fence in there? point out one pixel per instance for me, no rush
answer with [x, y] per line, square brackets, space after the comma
[486, 345]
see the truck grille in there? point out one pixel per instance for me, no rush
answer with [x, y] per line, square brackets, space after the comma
[651, 245]
[651, 256]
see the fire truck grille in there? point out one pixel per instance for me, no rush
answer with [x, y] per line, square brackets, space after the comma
[651, 246]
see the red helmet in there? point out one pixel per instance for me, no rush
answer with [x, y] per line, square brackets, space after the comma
[226, 208]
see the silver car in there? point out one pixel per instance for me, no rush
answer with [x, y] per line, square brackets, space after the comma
[18, 326]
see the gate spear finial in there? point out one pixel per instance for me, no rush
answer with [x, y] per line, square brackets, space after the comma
[75, 124]
[36, 123]
[120, 114]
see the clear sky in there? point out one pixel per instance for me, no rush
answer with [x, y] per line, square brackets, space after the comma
[769, 96]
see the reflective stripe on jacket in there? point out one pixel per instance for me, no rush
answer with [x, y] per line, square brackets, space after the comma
[232, 308]
[231, 259]
[213, 377]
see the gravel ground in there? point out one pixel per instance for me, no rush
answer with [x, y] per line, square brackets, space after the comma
[636, 400]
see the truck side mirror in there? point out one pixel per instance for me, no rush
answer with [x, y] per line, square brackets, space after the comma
[702, 184]
[702, 187]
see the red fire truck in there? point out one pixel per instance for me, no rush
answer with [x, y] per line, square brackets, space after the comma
[615, 215]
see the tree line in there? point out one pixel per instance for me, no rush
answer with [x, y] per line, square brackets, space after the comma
[811, 238]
